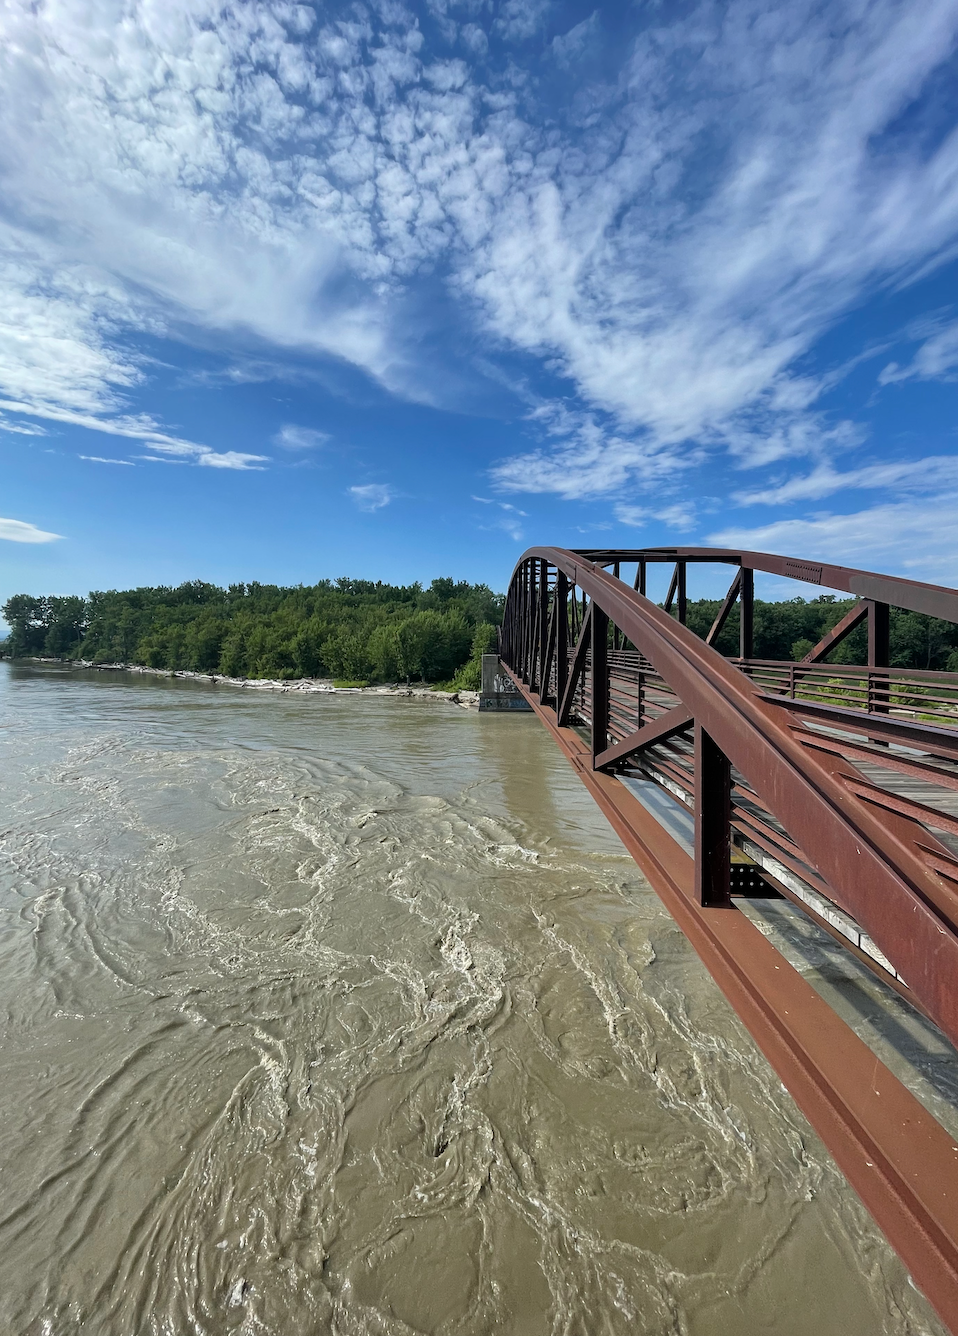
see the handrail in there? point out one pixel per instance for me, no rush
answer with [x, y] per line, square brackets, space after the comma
[908, 907]
[782, 778]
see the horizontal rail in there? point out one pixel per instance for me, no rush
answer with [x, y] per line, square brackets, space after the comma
[897, 592]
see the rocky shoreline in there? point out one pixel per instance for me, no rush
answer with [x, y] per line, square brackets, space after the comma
[467, 700]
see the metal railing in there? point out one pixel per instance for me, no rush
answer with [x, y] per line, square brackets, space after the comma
[835, 785]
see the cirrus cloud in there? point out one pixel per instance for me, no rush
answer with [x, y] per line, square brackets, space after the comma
[292, 437]
[262, 171]
[371, 496]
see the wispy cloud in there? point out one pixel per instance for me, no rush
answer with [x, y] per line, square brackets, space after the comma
[929, 475]
[371, 496]
[583, 455]
[292, 437]
[19, 531]
[270, 171]
[681, 516]
[509, 522]
[936, 359]
[228, 459]
[910, 535]
[22, 428]
[100, 459]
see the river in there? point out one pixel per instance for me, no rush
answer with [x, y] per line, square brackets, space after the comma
[329, 1014]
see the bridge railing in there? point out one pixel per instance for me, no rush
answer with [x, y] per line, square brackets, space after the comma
[834, 785]
[801, 755]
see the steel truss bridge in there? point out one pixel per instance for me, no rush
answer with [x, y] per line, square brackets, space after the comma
[833, 786]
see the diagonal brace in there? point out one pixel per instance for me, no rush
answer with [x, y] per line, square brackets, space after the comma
[575, 668]
[723, 612]
[838, 632]
[660, 730]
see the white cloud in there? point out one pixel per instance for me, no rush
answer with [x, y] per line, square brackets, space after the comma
[292, 437]
[936, 359]
[57, 364]
[590, 458]
[507, 524]
[634, 516]
[680, 516]
[518, 20]
[916, 538]
[228, 459]
[571, 46]
[929, 475]
[769, 438]
[371, 496]
[99, 459]
[256, 167]
[22, 428]
[680, 305]
[19, 531]
[474, 39]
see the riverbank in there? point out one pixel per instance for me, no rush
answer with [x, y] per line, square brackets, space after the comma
[467, 700]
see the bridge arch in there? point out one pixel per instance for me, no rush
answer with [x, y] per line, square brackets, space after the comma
[834, 786]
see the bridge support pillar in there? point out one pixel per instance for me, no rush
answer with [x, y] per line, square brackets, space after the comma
[498, 691]
[713, 815]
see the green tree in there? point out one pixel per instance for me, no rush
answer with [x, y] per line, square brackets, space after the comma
[65, 623]
[27, 618]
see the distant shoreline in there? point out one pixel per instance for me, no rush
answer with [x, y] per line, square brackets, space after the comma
[466, 700]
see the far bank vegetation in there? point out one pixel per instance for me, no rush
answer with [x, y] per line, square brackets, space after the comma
[359, 631]
[352, 630]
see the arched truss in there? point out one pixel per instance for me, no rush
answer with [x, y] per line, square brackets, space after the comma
[832, 785]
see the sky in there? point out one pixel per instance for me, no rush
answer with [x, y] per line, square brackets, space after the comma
[293, 291]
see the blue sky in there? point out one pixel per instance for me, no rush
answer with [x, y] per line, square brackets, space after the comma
[293, 291]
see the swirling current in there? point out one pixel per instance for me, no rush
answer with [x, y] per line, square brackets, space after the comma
[328, 1014]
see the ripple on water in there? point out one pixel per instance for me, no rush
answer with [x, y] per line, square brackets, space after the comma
[327, 1036]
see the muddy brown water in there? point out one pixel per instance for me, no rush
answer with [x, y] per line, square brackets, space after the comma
[339, 1015]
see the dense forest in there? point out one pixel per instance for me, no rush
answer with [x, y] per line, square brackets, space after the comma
[360, 631]
[351, 630]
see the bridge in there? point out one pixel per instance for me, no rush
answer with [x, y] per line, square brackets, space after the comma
[833, 786]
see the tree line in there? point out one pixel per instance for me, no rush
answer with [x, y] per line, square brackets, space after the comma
[361, 631]
[353, 630]
[790, 628]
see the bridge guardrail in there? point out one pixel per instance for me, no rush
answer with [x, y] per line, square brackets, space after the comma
[839, 778]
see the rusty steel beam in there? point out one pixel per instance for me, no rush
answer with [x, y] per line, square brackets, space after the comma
[577, 666]
[713, 821]
[721, 617]
[561, 634]
[746, 624]
[666, 726]
[922, 737]
[933, 600]
[599, 680]
[838, 633]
